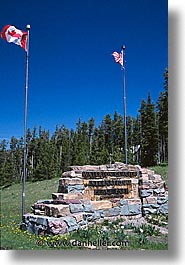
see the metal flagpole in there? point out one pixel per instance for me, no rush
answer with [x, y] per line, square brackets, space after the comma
[25, 124]
[124, 103]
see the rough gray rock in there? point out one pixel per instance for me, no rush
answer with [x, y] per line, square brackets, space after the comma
[146, 193]
[76, 208]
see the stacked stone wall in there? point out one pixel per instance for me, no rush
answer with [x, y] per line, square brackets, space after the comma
[91, 194]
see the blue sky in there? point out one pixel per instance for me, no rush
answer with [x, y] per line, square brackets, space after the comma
[71, 71]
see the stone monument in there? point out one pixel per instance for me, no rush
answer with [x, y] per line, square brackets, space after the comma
[91, 194]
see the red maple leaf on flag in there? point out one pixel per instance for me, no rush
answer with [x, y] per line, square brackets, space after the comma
[14, 34]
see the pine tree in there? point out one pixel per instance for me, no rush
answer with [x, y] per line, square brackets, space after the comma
[90, 132]
[118, 137]
[130, 139]
[99, 154]
[108, 133]
[44, 165]
[57, 147]
[94, 148]
[81, 144]
[149, 141]
[136, 140]
[48, 157]
[162, 107]
[65, 158]
[29, 155]
[16, 153]
[3, 159]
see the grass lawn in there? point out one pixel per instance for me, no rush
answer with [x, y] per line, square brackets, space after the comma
[13, 238]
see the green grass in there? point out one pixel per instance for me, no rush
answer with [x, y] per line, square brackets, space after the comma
[13, 238]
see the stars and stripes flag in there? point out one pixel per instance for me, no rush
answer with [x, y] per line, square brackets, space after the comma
[118, 57]
[17, 36]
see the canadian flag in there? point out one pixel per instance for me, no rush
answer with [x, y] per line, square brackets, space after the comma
[17, 36]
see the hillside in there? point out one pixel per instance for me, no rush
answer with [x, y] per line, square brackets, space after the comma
[13, 238]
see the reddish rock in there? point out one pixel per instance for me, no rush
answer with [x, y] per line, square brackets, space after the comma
[150, 200]
[67, 201]
[58, 227]
[115, 202]
[78, 217]
[70, 181]
[57, 210]
[100, 205]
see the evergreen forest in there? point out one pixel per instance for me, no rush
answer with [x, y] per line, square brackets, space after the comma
[48, 155]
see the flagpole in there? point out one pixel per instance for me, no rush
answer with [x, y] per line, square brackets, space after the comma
[25, 124]
[124, 103]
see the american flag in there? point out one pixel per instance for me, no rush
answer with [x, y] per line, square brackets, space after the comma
[118, 58]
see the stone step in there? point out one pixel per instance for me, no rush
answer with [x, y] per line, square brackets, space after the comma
[66, 196]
